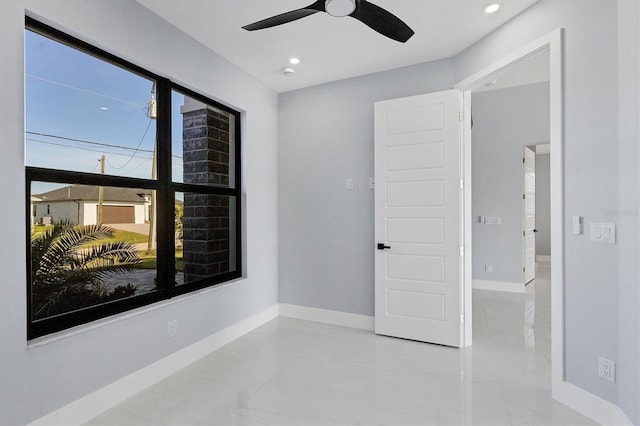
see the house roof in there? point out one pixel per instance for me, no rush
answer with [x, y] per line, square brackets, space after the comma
[90, 193]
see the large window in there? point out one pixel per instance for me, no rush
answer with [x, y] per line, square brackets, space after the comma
[133, 185]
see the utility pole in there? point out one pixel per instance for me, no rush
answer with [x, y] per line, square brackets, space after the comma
[152, 113]
[151, 242]
[101, 192]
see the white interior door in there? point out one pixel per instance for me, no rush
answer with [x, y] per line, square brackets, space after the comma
[529, 215]
[418, 286]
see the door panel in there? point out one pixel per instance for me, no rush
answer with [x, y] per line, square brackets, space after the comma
[417, 208]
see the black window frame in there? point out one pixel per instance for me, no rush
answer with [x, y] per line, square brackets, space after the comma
[165, 196]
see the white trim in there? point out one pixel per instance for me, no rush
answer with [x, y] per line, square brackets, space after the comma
[344, 319]
[484, 76]
[592, 406]
[553, 43]
[543, 258]
[543, 149]
[498, 286]
[556, 139]
[89, 406]
[467, 218]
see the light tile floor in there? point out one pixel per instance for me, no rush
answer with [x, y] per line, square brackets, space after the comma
[292, 372]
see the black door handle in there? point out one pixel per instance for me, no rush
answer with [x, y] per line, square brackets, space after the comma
[381, 246]
[535, 230]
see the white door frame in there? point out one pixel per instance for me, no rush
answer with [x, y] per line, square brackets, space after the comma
[552, 43]
[525, 271]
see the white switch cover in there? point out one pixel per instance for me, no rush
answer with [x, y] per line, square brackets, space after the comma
[604, 233]
[577, 225]
[492, 220]
[349, 185]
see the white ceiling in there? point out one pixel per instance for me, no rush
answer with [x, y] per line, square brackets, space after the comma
[331, 48]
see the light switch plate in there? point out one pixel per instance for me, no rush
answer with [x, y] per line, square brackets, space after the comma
[603, 233]
[577, 225]
[349, 184]
[492, 220]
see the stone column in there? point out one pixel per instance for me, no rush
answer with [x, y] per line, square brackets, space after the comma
[206, 217]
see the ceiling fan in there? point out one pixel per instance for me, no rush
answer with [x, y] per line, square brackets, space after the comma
[373, 16]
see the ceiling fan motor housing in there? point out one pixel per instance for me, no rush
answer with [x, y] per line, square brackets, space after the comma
[340, 8]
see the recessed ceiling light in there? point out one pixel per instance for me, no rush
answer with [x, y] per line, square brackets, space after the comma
[294, 61]
[492, 8]
[104, 108]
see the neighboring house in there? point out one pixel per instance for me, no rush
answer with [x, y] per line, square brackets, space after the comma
[34, 209]
[78, 204]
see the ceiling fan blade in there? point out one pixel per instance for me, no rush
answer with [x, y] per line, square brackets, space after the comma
[382, 21]
[284, 18]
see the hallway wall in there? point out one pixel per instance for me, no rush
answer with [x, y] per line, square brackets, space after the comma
[504, 122]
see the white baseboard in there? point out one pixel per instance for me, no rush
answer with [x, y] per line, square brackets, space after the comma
[344, 319]
[498, 286]
[89, 406]
[543, 258]
[589, 405]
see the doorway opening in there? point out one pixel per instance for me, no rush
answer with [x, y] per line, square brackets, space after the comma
[547, 48]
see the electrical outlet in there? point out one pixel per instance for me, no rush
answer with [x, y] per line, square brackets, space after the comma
[607, 369]
[488, 268]
[172, 328]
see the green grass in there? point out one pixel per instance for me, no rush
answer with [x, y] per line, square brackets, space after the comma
[130, 237]
[148, 260]
[118, 235]
[148, 257]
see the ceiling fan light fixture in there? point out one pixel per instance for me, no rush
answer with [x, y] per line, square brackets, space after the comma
[340, 8]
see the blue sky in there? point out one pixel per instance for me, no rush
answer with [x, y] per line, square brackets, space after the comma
[72, 95]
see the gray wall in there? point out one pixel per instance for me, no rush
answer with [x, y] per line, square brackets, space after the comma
[504, 121]
[326, 136]
[37, 380]
[590, 167]
[543, 205]
[326, 242]
[628, 231]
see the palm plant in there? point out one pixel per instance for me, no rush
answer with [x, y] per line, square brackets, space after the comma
[69, 265]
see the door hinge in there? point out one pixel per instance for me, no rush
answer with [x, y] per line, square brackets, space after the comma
[461, 251]
[523, 159]
[524, 269]
[524, 196]
[523, 233]
[461, 184]
[461, 318]
[461, 116]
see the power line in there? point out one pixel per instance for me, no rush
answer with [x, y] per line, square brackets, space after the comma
[68, 86]
[89, 143]
[83, 148]
[139, 165]
[137, 148]
[86, 141]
